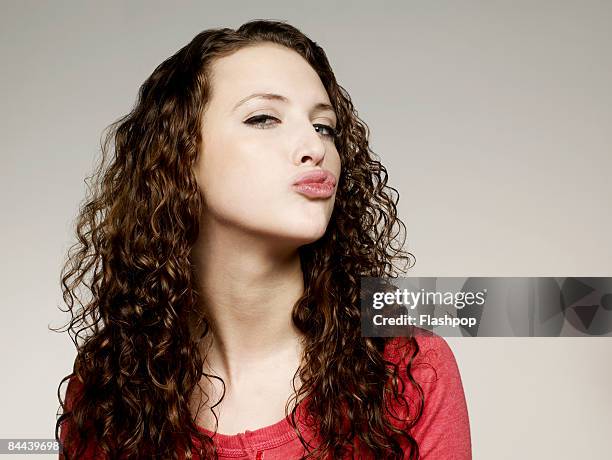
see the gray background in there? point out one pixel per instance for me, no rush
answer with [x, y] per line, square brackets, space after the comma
[493, 119]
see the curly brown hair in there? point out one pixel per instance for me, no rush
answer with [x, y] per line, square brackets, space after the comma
[137, 362]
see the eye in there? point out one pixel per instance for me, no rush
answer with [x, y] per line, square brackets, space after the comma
[330, 132]
[260, 120]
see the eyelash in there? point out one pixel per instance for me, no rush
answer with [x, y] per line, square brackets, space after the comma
[258, 119]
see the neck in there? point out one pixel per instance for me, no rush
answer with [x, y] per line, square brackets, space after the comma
[248, 287]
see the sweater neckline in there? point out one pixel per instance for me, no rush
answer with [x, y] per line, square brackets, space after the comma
[266, 437]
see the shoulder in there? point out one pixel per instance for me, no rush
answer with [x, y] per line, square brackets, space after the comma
[73, 390]
[432, 364]
[443, 430]
[68, 434]
[431, 349]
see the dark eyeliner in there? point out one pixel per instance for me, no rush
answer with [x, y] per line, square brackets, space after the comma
[259, 119]
[332, 131]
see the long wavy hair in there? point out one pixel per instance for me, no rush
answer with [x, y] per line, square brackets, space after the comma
[137, 362]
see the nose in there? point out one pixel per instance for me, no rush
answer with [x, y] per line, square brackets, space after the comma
[310, 147]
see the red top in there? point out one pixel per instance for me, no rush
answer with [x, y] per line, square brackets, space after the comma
[442, 432]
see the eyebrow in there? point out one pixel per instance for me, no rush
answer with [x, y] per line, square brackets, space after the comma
[319, 107]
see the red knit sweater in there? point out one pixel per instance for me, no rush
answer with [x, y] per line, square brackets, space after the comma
[442, 432]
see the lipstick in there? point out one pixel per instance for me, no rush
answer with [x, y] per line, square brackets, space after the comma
[318, 183]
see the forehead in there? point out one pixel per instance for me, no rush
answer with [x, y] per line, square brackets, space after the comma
[265, 68]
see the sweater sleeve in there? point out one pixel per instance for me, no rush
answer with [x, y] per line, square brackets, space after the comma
[443, 431]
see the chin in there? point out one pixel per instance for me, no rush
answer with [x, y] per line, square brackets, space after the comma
[311, 237]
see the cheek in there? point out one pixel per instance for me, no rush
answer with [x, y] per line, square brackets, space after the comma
[235, 178]
[333, 162]
[224, 159]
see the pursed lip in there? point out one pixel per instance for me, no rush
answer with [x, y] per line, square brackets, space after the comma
[317, 176]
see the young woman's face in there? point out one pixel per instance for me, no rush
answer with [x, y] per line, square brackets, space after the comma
[254, 148]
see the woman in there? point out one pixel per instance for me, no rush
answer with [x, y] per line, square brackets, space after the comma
[225, 243]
